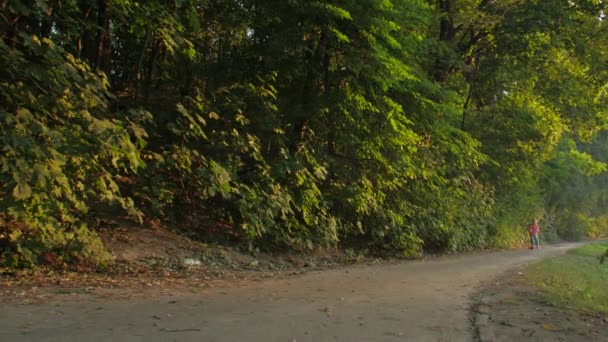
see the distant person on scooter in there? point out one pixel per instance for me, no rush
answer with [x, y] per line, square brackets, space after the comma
[533, 230]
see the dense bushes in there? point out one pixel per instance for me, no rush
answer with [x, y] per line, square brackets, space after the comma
[61, 152]
[393, 126]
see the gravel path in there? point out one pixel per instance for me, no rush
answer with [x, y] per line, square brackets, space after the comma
[418, 301]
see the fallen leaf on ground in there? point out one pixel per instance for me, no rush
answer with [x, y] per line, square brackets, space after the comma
[327, 310]
[549, 327]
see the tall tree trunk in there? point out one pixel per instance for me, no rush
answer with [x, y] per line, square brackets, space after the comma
[11, 37]
[46, 27]
[150, 69]
[106, 59]
[46, 24]
[83, 41]
[103, 37]
[471, 80]
[447, 32]
[140, 64]
[9, 26]
[78, 46]
[309, 91]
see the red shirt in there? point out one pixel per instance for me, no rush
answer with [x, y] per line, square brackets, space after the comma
[533, 229]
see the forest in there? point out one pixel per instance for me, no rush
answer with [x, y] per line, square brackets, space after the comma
[395, 127]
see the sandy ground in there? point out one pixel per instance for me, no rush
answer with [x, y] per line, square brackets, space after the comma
[426, 300]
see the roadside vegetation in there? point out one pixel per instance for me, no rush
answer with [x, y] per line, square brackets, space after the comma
[575, 280]
[382, 127]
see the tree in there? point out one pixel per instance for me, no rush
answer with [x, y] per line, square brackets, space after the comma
[298, 124]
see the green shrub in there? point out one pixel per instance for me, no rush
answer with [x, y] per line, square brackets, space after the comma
[60, 153]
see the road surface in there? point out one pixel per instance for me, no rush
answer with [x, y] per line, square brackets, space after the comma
[411, 301]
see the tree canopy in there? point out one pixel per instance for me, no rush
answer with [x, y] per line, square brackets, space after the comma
[394, 126]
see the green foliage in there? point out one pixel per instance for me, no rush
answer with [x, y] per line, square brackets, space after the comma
[575, 279]
[393, 126]
[60, 152]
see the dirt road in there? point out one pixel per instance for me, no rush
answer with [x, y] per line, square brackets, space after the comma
[411, 301]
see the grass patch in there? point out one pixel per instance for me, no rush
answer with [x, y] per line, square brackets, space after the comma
[575, 279]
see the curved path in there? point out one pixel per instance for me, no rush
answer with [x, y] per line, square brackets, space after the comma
[411, 301]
